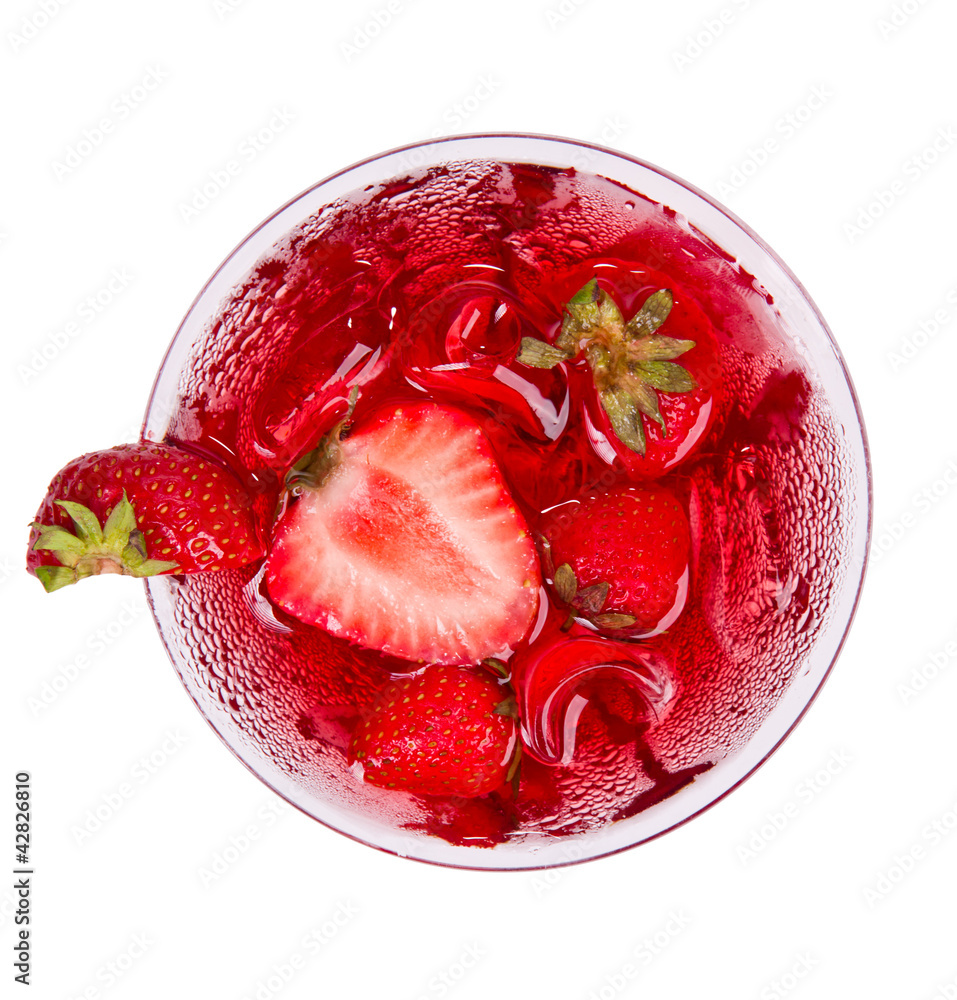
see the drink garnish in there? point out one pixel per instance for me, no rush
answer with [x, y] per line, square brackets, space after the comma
[630, 362]
[404, 538]
[449, 730]
[140, 510]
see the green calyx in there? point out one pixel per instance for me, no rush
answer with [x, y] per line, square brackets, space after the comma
[497, 667]
[117, 546]
[514, 768]
[587, 602]
[508, 707]
[630, 361]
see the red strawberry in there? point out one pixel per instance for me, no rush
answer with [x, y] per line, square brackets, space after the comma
[140, 509]
[404, 539]
[621, 558]
[651, 412]
[448, 730]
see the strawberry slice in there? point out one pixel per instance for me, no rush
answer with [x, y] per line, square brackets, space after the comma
[140, 510]
[449, 730]
[404, 539]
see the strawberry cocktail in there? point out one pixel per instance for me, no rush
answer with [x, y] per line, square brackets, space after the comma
[496, 510]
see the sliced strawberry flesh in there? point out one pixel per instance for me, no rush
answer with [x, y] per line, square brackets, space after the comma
[368, 526]
[412, 546]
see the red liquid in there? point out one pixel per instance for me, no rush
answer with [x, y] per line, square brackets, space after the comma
[425, 286]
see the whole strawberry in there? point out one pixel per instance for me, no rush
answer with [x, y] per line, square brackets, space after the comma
[652, 412]
[140, 510]
[620, 558]
[449, 730]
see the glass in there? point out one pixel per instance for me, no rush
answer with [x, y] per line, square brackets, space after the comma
[299, 755]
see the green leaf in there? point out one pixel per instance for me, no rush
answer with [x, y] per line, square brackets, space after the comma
[608, 312]
[316, 466]
[665, 376]
[590, 600]
[87, 526]
[599, 358]
[137, 542]
[132, 556]
[613, 620]
[570, 336]
[119, 525]
[512, 773]
[658, 348]
[575, 329]
[537, 354]
[55, 577]
[566, 586]
[646, 399]
[622, 411]
[66, 547]
[651, 315]
[134, 559]
[588, 310]
[153, 567]
[585, 295]
[496, 666]
[507, 706]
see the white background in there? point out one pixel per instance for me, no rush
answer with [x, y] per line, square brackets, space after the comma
[852, 892]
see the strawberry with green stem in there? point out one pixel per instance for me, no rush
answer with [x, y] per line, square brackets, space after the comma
[140, 510]
[652, 409]
[619, 560]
